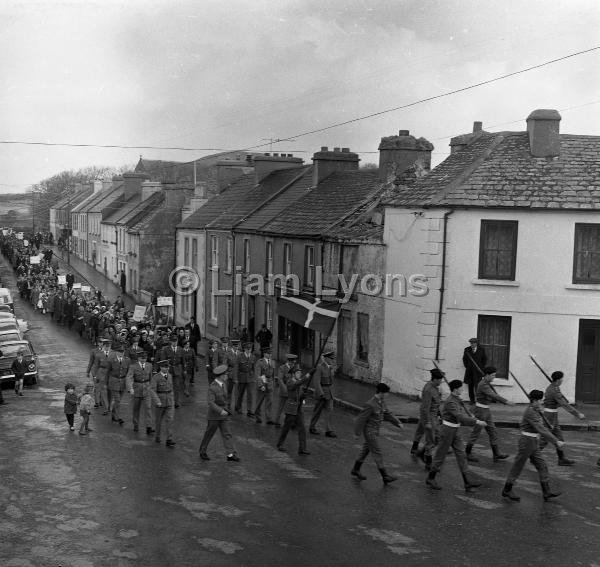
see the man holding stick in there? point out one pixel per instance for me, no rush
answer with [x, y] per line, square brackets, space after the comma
[474, 359]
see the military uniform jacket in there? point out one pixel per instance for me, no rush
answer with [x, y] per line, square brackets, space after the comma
[553, 399]
[215, 358]
[532, 422]
[282, 374]
[372, 415]
[139, 378]
[431, 399]
[100, 370]
[117, 372]
[92, 362]
[486, 395]
[217, 401]
[293, 402]
[175, 358]
[245, 368]
[19, 368]
[453, 411]
[323, 380]
[232, 356]
[161, 390]
[265, 368]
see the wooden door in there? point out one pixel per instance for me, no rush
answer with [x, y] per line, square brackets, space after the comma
[345, 353]
[587, 382]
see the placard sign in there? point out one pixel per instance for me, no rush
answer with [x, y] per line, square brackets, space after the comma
[85, 288]
[77, 286]
[139, 312]
[162, 301]
[35, 259]
[62, 280]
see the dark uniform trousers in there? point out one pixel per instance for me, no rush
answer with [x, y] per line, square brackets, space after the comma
[553, 427]
[431, 434]
[371, 445]
[529, 448]
[213, 426]
[161, 389]
[484, 414]
[450, 438]
[290, 421]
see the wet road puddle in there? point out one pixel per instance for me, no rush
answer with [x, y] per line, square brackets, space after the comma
[227, 547]
[282, 460]
[483, 504]
[203, 510]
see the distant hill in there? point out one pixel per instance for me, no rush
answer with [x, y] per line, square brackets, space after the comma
[15, 210]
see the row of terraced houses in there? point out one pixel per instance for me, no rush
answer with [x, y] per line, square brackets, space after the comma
[500, 241]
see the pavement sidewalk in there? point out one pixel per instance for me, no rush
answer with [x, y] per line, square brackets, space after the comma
[89, 275]
[352, 394]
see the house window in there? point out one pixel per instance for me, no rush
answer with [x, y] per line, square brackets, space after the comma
[186, 251]
[586, 261]
[246, 256]
[195, 254]
[243, 304]
[229, 255]
[213, 307]
[309, 266]
[498, 250]
[362, 337]
[269, 259]
[287, 258]
[493, 333]
[214, 254]
[268, 315]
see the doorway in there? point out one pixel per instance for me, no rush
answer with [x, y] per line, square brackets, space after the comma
[344, 346]
[587, 381]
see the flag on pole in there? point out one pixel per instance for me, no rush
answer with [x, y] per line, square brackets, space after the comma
[310, 312]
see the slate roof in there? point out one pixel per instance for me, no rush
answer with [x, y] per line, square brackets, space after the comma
[148, 206]
[106, 198]
[336, 196]
[238, 201]
[73, 199]
[126, 208]
[498, 170]
[358, 227]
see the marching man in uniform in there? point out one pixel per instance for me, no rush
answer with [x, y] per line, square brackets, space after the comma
[368, 423]
[280, 387]
[218, 415]
[138, 384]
[484, 396]
[161, 390]
[453, 416]
[119, 369]
[293, 410]
[553, 400]
[532, 426]
[323, 380]
[265, 382]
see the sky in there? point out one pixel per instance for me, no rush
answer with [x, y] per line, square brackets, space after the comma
[214, 76]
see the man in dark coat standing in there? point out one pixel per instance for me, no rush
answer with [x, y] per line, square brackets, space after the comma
[473, 356]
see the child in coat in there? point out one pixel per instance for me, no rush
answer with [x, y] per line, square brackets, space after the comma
[70, 405]
[86, 404]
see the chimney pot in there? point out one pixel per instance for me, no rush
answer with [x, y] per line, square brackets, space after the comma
[345, 150]
[324, 149]
[403, 133]
[477, 127]
[336, 149]
[399, 153]
[275, 155]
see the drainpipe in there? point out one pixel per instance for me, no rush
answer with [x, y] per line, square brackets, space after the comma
[233, 274]
[442, 284]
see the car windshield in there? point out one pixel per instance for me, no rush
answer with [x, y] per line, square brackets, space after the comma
[12, 349]
[9, 337]
[6, 315]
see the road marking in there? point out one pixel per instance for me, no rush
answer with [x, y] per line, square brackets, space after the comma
[227, 547]
[395, 541]
[479, 503]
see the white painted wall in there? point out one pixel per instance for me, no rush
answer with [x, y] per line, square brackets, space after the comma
[182, 316]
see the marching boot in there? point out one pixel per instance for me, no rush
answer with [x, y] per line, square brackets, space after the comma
[355, 472]
[470, 484]
[431, 481]
[414, 449]
[498, 456]
[547, 492]
[508, 493]
[470, 458]
[562, 460]
[387, 478]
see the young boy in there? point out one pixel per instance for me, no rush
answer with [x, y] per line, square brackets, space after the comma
[86, 403]
[70, 405]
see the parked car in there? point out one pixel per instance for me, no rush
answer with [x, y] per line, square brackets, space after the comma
[5, 307]
[9, 354]
[10, 335]
[13, 322]
[6, 298]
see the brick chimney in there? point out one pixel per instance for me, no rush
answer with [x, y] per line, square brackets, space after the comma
[228, 170]
[326, 162]
[544, 133]
[133, 184]
[150, 187]
[263, 165]
[398, 153]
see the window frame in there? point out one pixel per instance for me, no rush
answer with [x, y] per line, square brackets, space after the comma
[247, 258]
[287, 258]
[361, 354]
[229, 255]
[490, 349]
[309, 269]
[485, 224]
[214, 251]
[269, 259]
[575, 278]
